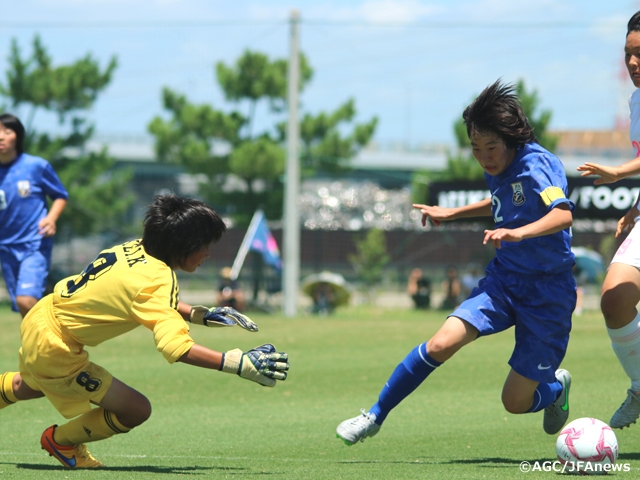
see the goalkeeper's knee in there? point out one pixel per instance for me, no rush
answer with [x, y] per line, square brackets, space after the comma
[7, 396]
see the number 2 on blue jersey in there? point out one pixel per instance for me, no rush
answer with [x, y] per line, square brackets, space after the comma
[496, 213]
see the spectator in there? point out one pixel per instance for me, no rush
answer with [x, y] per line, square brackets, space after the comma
[324, 299]
[419, 289]
[470, 280]
[452, 288]
[229, 292]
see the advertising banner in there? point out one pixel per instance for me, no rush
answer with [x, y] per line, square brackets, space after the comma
[602, 202]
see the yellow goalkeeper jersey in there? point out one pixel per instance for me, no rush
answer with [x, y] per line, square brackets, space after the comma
[124, 287]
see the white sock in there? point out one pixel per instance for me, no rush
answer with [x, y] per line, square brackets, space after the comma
[626, 345]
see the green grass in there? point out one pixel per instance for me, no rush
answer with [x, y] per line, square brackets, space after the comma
[208, 424]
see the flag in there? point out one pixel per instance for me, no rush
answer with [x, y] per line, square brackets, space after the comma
[263, 242]
[259, 239]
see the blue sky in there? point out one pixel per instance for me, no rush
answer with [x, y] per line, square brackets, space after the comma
[415, 64]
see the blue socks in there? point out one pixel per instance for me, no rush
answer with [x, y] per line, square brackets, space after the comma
[405, 379]
[417, 366]
[545, 395]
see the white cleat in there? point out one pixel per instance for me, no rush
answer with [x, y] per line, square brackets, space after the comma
[628, 412]
[357, 429]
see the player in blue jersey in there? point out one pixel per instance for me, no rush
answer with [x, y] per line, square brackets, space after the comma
[528, 285]
[26, 225]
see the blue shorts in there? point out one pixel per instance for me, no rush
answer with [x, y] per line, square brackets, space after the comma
[25, 268]
[540, 308]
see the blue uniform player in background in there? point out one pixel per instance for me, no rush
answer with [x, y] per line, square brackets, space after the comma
[528, 285]
[26, 227]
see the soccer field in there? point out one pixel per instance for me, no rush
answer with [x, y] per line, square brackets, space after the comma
[210, 425]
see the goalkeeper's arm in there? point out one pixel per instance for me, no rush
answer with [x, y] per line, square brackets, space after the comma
[261, 364]
[216, 317]
[204, 357]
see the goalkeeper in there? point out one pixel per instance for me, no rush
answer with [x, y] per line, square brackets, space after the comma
[124, 287]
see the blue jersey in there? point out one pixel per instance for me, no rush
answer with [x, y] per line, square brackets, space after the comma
[532, 185]
[25, 185]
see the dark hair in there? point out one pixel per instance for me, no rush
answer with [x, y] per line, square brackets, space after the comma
[497, 110]
[175, 227]
[13, 123]
[634, 23]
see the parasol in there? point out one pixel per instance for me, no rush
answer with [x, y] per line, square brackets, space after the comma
[334, 281]
[589, 262]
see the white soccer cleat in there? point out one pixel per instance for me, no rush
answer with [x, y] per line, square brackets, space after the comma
[556, 414]
[357, 429]
[628, 412]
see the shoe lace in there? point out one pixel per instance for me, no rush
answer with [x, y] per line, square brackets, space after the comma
[364, 422]
[365, 418]
[631, 396]
[82, 452]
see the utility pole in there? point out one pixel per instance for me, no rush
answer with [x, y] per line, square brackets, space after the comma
[291, 230]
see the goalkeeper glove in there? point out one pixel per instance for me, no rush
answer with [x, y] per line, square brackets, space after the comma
[220, 317]
[261, 364]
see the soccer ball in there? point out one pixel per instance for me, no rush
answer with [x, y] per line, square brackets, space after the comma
[587, 446]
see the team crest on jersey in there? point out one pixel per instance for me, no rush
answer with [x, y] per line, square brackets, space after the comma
[24, 188]
[518, 194]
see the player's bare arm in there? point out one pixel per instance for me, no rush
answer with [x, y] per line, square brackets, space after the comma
[204, 357]
[557, 219]
[437, 214]
[610, 174]
[47, 226]
[626, 223]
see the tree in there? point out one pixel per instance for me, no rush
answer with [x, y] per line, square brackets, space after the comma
[463, 166]
[248, 173]
[97, 195]
[324, 147]
[370, 258]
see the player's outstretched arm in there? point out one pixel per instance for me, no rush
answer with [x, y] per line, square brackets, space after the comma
[610, 174]
[437, 214]
[220, 317]
[263, 364]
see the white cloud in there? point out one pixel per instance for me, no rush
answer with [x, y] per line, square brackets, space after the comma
[396, 11]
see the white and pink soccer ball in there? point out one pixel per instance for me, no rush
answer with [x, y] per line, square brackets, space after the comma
[587, 446]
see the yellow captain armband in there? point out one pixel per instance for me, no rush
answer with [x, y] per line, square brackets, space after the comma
[551, 194]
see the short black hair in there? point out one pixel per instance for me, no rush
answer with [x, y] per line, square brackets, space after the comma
[497, 110]
[634, 23]
[13, 123]
[175, 227]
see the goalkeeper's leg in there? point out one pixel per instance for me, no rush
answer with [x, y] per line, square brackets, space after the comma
[66, 443]
[14, 389]
[121, 409]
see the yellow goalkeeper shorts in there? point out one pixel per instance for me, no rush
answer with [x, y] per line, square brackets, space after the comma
[57, 365]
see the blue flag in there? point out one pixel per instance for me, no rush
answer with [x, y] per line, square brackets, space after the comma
[259, 239]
